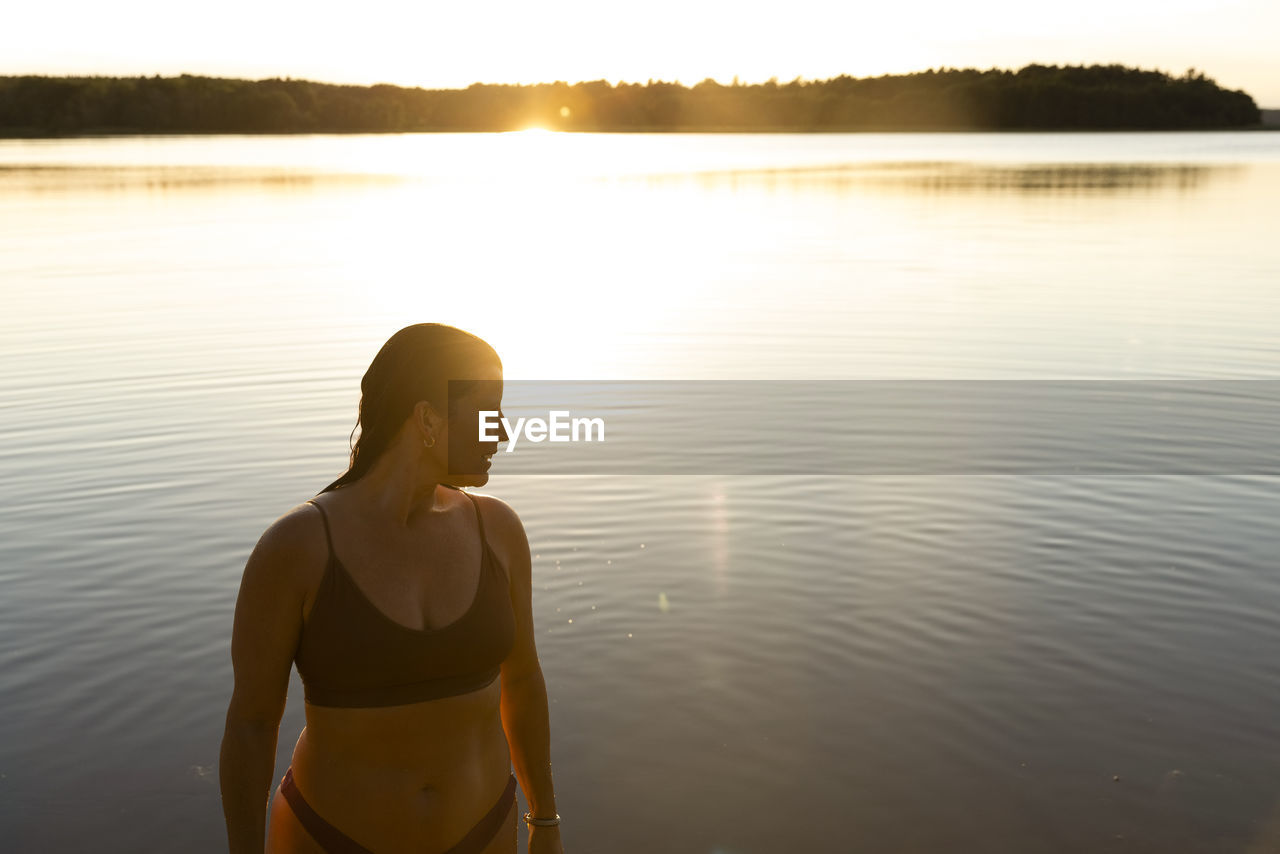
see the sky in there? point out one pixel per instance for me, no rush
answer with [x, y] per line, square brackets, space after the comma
[517, 41]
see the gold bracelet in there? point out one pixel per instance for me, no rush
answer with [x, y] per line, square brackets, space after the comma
[541, 822]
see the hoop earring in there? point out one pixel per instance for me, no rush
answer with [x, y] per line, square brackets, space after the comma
[432, 445]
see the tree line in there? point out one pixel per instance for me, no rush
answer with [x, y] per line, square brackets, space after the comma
[1036, 97]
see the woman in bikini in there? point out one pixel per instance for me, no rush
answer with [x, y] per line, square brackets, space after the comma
[406, 605]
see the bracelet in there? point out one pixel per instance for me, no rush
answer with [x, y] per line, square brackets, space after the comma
[541, 822]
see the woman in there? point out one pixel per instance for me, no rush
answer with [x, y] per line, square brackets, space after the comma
[406, 604]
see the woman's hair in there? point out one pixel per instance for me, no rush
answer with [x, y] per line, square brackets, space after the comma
[415, 364]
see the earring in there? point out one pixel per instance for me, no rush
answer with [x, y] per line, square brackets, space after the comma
[432, 445]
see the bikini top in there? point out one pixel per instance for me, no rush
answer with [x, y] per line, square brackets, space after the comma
[351, 654]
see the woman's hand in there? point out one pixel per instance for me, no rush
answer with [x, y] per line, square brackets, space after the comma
[545, 840]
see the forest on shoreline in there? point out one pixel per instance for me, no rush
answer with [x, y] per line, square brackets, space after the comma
[1036, 97]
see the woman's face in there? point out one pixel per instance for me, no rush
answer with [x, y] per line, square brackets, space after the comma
[470, 455]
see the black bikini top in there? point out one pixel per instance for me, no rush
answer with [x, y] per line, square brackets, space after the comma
[351, 654]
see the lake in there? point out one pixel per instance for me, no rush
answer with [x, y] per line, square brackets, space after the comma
[741, 658]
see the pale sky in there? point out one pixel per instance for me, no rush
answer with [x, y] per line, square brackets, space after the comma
[504, 41]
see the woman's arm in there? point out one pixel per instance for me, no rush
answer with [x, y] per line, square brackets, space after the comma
[268, 620]
[524, 691]
[245, 768]
[524, 717]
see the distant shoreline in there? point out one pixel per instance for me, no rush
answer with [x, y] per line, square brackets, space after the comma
[11, 134]
[1035, 98]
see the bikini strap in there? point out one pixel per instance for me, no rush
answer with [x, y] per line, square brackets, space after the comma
[479, 520]
[324, 517]
[484, 541]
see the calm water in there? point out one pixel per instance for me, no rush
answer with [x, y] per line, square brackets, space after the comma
[737, 664]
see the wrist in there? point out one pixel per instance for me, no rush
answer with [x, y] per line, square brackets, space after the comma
[543, 828]
[536, 818]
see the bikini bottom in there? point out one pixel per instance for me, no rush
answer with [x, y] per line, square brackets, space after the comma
[335, 841]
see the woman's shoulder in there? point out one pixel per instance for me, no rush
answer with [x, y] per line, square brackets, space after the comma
[296, 544]
[503, 530]
[500, 518]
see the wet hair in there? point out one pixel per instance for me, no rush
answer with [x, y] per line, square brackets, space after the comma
[415, 364]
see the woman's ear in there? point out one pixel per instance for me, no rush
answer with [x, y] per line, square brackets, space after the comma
[427, 419]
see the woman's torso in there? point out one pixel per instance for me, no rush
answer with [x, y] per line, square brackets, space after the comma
[400, 773]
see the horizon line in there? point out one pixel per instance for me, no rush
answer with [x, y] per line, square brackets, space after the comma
[735, 80]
